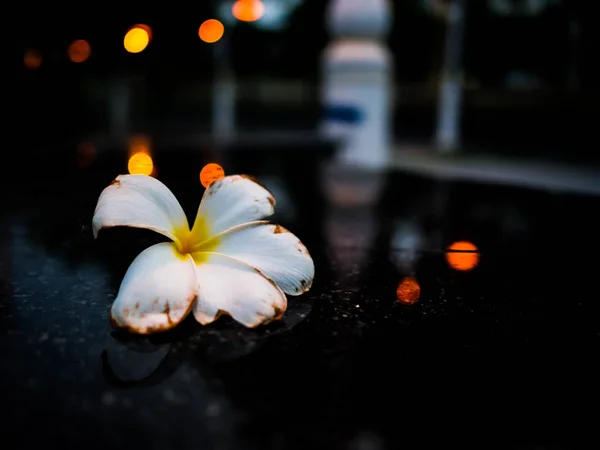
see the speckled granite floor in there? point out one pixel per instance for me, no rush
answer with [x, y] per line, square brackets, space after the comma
[499, 356]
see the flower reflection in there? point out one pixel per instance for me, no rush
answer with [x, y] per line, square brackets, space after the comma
[144, 361]
[348, 186]
[406, 244]
[351, 226]
[462, 256]
[408, 291]
[146, 365]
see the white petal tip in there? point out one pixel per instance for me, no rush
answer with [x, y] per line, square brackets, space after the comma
[204, 319]
[266, 320]
[306, 286]
[274, 251]
[96, 227]
[231, 287]
[139, 202]
[157, 292]
[159, 327]
[232, 201]
[149, 323]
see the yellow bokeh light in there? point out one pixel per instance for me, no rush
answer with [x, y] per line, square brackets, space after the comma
[408, 291]
[248, 10]
[140, 164]
[463, 256]
[144, 27]
[210, 173]
[136, 40]
[211, 31]
[79, 51]
[32, 59]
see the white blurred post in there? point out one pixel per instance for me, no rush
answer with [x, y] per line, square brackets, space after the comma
[357, 81]
[447, 138]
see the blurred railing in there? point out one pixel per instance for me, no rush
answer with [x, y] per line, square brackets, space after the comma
[269, 92]
[285, 92]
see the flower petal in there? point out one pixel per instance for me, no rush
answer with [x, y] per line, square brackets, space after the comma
[140, 201]
[227, 286]
[271, 249]
[158, 291]
[228, 202]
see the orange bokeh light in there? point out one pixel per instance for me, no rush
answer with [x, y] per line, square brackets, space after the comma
[86, 154]
[140, 164]
[144, 27]
[210, 173]
[463, 256]
[32, 59]
[79, 51]
[140, 161]
[211, 31]
[137, 39]
[248, 10]
[408, 291]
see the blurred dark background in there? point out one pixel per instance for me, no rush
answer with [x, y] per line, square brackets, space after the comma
[530, 71]
[407, 334]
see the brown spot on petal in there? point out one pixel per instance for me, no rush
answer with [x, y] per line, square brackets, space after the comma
[279, 312]
[156, 328]
[271, 200]
[302, 248]
[149, 329]
[251, 178]
[261, 320]
[167, 312]
[220, 313]
[306, 285]
[116, 183]
[206, 320]
[132, 329]
[153, 329]
[279, 230]
[137, 305]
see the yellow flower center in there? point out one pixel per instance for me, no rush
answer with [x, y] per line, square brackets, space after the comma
[196, 240]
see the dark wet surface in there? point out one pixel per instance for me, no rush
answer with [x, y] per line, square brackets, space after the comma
[500, 356]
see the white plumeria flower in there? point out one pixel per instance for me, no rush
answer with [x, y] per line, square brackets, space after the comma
[230, 262]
